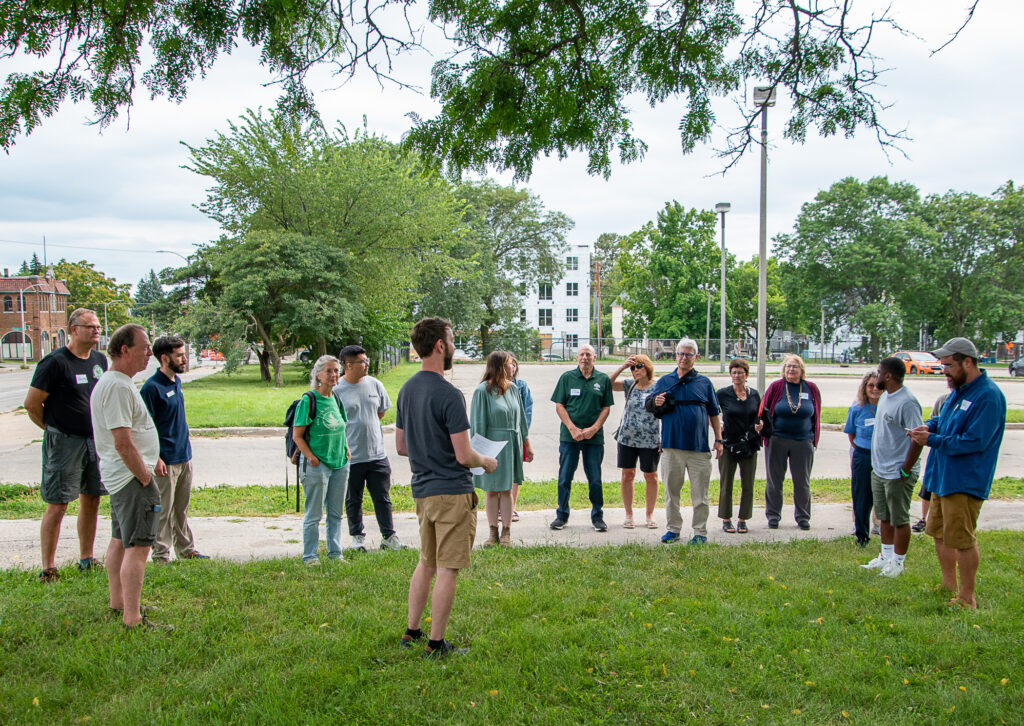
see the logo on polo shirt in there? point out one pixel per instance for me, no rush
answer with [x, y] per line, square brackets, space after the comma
[97, 371]
[597, 386]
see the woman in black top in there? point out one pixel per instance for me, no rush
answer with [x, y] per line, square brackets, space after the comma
[739, 424]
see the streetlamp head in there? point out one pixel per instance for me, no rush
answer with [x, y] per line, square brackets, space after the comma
[764, 96]
[723, 207]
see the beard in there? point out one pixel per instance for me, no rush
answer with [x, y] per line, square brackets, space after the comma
[178, 368]
[449, 354]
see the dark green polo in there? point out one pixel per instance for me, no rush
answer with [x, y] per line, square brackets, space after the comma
[583, 398]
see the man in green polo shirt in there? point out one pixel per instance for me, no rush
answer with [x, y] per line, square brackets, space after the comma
[583, 398]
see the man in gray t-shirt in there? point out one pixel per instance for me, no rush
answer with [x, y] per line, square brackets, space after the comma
[432, 429]
[366, 401]
[894, 465]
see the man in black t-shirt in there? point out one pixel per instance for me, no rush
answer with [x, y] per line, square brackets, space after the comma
[432, 429]
[58, 402]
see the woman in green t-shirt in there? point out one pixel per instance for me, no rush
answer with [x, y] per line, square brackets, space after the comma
[323, 464]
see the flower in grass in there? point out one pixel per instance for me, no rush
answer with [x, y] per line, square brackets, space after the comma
[808, 683]
[906, 682]
[324, 625]
[35, 701]
[665, 672]
[693, 672]
[796, 711]
[493, 692]
[427, 619]
[845, 714]
[1004, 681]
[766, 705]
[964, 689]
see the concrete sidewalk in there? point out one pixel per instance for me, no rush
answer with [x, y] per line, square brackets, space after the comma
[243, 539]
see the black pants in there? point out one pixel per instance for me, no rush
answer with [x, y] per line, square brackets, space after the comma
[860, 489]
[375, 476]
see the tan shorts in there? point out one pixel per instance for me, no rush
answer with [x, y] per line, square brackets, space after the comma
[954, 520]
[447, 529]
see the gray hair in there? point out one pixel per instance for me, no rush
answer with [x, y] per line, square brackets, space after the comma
[589, 346]
[76, 314]
[688, 343]
[319, 366]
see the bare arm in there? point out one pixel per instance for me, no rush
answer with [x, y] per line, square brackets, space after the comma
[467, 456]
[590, 431]
[299, 436]
[130, 455]
[851, 439]
[400, 446]
[716, 426]
[913, 454]
[563, 416]
[616, 384]
[34, 405]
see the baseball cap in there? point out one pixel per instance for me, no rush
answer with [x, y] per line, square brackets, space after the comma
[957, 345]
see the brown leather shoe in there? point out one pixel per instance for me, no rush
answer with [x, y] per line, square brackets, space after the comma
[506, 537]
[493, 538]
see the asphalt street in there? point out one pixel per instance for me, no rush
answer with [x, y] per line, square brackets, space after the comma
[238, 460]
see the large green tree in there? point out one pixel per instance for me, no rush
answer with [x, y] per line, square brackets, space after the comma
[368, 200]
[854, 251]
[667, 273]
[516, 80]
[606, 254]
[91, 288]
[509, 243]
[741, 297]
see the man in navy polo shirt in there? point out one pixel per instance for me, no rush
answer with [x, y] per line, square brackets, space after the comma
[964, 441]
[173, 472]
[684, 439]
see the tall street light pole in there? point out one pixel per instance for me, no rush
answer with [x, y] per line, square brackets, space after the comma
[722, 208]
[21, 303]
[764, 96]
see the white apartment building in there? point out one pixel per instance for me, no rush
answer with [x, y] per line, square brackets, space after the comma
[560, 309]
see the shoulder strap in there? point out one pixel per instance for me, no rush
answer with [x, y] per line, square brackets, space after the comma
[312, 405]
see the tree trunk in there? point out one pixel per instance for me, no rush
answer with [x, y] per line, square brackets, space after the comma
[321, 346]
[270, 351]
[264, 359]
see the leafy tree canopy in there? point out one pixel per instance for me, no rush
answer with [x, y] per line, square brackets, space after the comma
[90, 288]
[667, 273]
[518, 79]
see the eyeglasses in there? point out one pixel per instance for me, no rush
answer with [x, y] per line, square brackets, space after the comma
[680, 354]
[96, 328]
[359, 362]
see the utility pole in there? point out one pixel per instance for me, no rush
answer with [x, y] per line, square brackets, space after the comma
[764, 96]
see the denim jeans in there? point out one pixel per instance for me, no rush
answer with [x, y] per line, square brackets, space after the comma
[324, 486]
[860, 491]
[568, 460]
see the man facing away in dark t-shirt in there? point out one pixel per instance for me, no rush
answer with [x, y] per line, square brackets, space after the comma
[432, 429]
[58, 402]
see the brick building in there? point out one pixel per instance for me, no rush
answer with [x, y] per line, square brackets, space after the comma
[45, 314]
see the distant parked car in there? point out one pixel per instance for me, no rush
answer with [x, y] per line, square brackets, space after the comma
[548, 355]
[304, 356]
[1017, 368]
[919, 361]
[460, 354]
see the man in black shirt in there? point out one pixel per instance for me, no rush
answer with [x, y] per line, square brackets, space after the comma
[58, 402]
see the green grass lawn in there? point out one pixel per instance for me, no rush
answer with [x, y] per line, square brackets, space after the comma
[764, 633]
[242, 399]
[22, 502]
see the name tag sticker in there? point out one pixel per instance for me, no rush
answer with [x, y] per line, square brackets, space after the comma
[965, 404]
[805, 396]
[81, 378]
[170, 394]
[574, 391]
[869, 422]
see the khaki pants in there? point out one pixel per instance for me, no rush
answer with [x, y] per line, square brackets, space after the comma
[675, 465]
[175, 493]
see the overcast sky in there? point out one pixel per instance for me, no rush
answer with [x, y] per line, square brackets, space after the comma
[114, 198]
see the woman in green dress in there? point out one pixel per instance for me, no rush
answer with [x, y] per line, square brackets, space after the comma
[497, 413]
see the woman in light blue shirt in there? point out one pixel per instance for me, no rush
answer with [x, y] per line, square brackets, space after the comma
[860, 424]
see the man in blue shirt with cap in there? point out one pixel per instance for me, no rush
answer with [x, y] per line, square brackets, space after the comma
[965, 440]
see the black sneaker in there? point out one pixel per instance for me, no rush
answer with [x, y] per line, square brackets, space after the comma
[558, 523]
[444, 650]
[773, 525]
[600, 526]
[407, 640]
[804, 525]
[90, 563]
[919, 525]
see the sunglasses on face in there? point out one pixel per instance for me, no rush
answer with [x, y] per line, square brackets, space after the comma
[638, 367]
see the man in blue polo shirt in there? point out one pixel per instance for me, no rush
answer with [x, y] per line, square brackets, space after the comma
[684, 439]
[173, 472]
[965, 440]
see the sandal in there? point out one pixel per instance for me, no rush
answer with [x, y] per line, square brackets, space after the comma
[741, 527]
[651, 524]
[515, 516]
[50, 574]
[727, 526]
[628, 524]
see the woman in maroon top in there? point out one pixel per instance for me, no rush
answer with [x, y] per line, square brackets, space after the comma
[793, 404]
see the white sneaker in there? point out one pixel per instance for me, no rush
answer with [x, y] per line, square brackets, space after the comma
[392, 543]
[892, 569]
[358, 543]
[876, 564]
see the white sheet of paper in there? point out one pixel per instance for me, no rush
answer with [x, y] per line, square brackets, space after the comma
[486, 447]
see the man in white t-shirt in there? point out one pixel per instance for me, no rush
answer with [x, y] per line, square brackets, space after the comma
[366, 401]
[128, 447]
